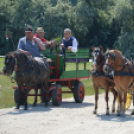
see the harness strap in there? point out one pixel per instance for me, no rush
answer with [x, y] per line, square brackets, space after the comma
[38, 68]
[117, 73]
[131, 83]
[17, 73]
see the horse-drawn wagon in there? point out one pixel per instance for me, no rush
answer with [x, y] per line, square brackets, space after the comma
[59, 77]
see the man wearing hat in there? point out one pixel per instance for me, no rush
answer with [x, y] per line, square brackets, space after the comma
[30, 45]
[40, 34]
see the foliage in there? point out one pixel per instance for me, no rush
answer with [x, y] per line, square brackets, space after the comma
[93, 22]
[124, 17]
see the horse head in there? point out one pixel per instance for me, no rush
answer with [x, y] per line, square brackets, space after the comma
[97, 56]
[114, 59]
[12, 60]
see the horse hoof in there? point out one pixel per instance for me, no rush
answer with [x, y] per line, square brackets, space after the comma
[118, 114]
[46, 105]
[132, 112]
[25, 108]
[122, 115]
[107, 112]
[94, 112]
[16, 107]
[34, 104]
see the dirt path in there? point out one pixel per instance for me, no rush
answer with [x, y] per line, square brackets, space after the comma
[69, 118]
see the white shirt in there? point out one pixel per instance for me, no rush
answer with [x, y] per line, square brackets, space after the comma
[74, 46]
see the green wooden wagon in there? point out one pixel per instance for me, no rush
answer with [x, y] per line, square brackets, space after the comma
[59, 77]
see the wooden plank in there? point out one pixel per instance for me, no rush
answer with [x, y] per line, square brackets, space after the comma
[72, 74]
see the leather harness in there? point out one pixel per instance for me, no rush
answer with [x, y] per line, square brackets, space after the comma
[23, 69]
[98, 73]
[116, 73]
[121, 72]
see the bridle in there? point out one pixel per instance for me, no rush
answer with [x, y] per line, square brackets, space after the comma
[7, 62]
[111, 67]
[102, 56]
[18, 69]
[113, 58]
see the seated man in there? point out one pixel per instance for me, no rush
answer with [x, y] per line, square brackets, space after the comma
[69, 42]
[30, 45]
[40, 34]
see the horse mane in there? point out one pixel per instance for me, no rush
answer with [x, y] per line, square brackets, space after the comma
[14, 53]
[97, 48]
[118, 52]
[10, 54]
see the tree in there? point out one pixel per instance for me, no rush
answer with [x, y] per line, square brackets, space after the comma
[124, 17]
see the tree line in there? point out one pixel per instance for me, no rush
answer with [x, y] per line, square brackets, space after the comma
[108, 23]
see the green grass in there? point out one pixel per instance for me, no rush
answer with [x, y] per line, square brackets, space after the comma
[7, 93]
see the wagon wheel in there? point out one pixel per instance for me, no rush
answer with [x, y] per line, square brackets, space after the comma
[57, 95]
[43, 97]
[79, 92]
[16, 97]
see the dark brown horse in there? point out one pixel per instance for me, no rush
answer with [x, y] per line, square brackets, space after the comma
[123, 71]
[99, 80]
[29, 73]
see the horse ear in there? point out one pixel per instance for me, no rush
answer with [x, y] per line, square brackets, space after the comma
[107, 49]
[12, 54]
[93, 48]
[92, 54]
[115, 48]
[101, 48]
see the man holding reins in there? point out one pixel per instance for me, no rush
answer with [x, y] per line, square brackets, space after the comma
[69, 42]
[30, 45]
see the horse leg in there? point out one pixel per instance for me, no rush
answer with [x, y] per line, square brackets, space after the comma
[124, 102]
[18, 104]
[106, 98]
[120, 102]
[133, 104]
[35, 99]
[115, 97]
[96, 99]
[118, 107]
[26, 94]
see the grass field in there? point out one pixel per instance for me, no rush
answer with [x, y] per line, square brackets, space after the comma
[7, 93]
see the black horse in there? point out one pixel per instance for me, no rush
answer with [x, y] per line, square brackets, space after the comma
[29, 73]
